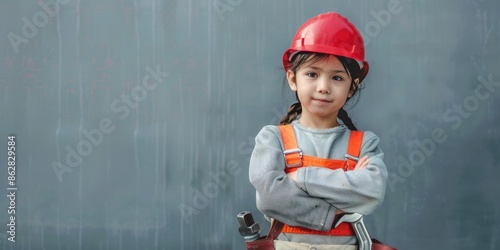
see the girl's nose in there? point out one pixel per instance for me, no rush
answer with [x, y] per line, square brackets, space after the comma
[323, 86]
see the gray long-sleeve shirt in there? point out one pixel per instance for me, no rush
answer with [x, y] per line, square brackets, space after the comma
[313, 199]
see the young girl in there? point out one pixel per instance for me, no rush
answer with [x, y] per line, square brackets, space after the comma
[316, 166]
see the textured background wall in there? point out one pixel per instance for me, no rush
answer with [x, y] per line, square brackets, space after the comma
[127, 112]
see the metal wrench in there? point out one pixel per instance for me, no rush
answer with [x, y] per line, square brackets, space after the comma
[249, 229]
[356, 220]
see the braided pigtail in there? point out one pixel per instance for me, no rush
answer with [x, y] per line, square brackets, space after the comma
[345, 119]
[293, 112]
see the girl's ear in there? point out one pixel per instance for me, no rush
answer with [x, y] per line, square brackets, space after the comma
[290, 76]
[354, 88]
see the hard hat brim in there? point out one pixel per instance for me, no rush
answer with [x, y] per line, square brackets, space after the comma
[288, 55]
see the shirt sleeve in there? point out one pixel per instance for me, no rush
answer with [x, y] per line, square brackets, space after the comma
[361, 191]
[280, 197]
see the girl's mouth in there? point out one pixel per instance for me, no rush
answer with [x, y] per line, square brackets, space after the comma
[322, 100]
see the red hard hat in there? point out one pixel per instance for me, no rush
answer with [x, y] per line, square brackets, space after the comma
[329, 33]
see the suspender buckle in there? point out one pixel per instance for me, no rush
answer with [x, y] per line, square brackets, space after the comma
[293, 151]
[350, 157]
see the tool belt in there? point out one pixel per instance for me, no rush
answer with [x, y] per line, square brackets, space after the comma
[267, 242]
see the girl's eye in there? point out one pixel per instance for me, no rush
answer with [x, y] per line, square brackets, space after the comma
[312, 75]
[337, 78]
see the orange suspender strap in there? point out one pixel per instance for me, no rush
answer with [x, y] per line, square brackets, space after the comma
[294, 159]
[354, 149]
[292, 152]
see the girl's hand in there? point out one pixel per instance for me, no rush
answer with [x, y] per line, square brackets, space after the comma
[338, 211]
[362, 163]
[292, 175]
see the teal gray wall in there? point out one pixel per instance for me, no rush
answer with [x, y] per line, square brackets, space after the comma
[127, 112]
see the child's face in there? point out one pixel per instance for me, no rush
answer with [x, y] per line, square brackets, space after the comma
[322, 87]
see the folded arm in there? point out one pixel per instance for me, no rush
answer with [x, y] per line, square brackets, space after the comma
[360, 191]
[280, 197]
